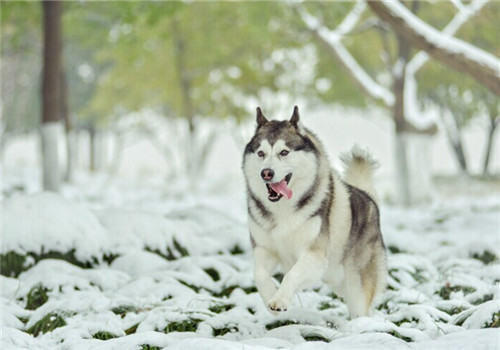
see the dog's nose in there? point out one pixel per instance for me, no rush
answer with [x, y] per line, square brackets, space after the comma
[267, 174]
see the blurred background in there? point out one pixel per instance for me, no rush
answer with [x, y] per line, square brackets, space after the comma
[167, 91]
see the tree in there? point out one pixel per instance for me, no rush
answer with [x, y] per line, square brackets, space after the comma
[51, 93]
[399, 64]
[187, 65]
[461, 99]
[461, 56]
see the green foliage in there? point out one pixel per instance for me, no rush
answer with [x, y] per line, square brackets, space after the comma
[280, 323]
[189, 325]
[182, 61]
[149, 347]
[216, 332]
[236, 250]
[325, 305]
[122, 310]
[483, 299]
[172, 253]
[48, 323]
[132, 329]
[37, 296]
[218, 308]
[447, 289]
[315, 337]
[104, 335]
[398, 335]
[214, 275]
[495, 321]
[486, 257]
[12, 263]
[394, 249]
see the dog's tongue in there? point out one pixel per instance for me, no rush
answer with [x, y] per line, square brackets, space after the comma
[282, 188]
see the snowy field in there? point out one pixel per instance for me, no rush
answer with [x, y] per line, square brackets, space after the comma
[153, 265]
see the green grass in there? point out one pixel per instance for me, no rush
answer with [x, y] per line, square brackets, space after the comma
[48, 323]
[398, 335]
[132, 329]
[37, 296]
[395, 250]
[149, 347]
[213, 273]
[104, 335]
[218, 308]
[171, 253]
[483, 299]
[315, 337]
[217, 332]
[446, 291]
[486, 257]
[280, 323]
[189, 325]
[236, 250]
[12, 263]
[495, 321]
[122, 310]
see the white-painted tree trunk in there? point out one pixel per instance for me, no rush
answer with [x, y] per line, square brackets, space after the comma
[418, 150]
[413, 168]
[403, 195]
[71, 155]
[50, 133]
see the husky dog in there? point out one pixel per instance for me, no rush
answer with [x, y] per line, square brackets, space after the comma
[307, 220]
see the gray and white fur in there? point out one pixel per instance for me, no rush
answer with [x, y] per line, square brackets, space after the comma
[328, 230]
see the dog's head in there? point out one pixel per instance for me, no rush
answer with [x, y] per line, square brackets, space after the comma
[279, 157]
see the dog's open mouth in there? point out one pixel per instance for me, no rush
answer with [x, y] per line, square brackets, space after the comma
[277, 190]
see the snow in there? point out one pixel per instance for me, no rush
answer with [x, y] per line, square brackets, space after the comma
[50, 221]
[176, 262]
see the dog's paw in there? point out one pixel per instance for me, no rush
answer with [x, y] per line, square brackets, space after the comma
[278, 304]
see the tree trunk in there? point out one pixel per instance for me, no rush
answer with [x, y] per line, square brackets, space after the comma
[68, 128]
[186, 90]
[401, 152]
[454, 138]
[457, 54]
[92, 148]
[489, 144]
[51, 93]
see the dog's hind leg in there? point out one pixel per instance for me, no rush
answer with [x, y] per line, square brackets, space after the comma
[374, 278]
[354, 293]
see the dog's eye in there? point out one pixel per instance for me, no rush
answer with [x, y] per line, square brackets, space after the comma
[261, 154]
[284, 153]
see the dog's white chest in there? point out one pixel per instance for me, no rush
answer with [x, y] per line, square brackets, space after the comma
[291, 237]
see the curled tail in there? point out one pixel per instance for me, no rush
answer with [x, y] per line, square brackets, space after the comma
[359, 169]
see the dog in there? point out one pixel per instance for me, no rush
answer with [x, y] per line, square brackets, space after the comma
[309, 221]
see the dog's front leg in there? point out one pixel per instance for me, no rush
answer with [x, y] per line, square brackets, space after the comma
[309, 268]
[265, 265]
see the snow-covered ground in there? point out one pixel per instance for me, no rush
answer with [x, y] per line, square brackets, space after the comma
[158, 265]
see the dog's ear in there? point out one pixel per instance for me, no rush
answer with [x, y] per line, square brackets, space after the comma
[294, 120]
[261, 120]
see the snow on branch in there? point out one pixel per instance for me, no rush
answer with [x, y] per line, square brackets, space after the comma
[332, 40]
[458, 20]
[412, 110]
[460, 55]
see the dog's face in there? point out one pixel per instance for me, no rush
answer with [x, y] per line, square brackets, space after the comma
[279, 159]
